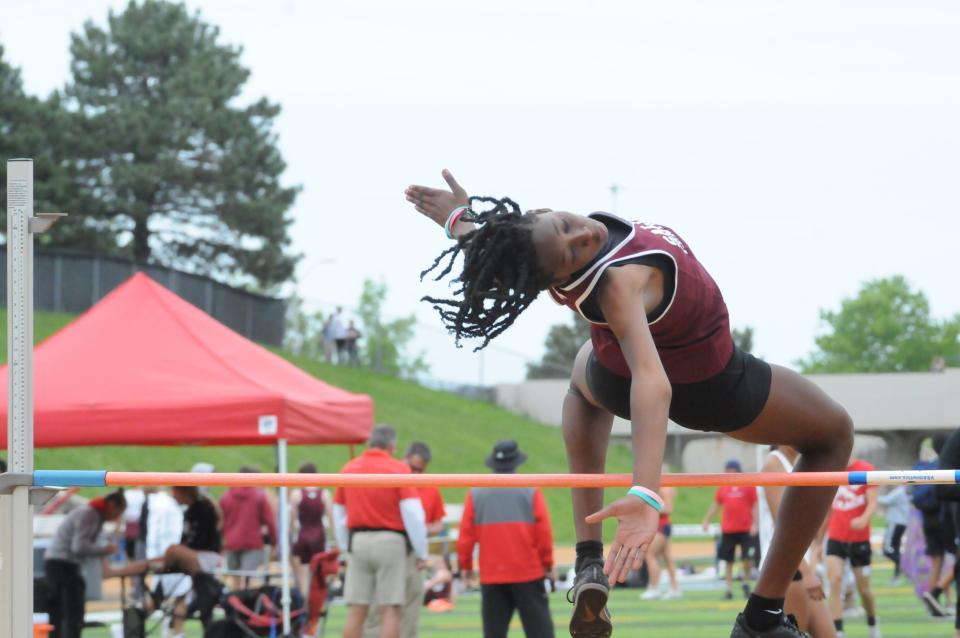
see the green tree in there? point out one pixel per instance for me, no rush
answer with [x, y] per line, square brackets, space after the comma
[560, 349]
[743, 337]
[168, 167]
[33, 128]
[887, 327]
[385, 342]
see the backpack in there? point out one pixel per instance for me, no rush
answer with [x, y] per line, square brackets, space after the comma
[924, 496]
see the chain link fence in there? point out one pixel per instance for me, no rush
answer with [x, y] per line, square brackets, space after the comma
[72, 282]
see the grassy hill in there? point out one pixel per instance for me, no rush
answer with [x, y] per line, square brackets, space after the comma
[460, 432]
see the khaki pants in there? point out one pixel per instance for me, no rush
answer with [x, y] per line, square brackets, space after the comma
[376, 574]
[411, 607]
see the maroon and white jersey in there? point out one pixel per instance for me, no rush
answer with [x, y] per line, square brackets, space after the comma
[690, 327]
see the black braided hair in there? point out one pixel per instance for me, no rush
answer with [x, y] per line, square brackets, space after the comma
[501, 274]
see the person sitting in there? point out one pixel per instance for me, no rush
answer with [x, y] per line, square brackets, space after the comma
[199, 548]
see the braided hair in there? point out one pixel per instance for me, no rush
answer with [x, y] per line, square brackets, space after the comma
[501, 274]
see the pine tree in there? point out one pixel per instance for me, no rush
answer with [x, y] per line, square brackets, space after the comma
[167, 166]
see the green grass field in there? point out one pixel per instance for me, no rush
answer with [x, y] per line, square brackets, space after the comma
[700, 614]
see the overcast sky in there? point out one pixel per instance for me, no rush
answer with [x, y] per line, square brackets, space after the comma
[800, 147]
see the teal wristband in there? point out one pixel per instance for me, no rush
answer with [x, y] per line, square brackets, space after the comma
[452, 219]
[646, 498]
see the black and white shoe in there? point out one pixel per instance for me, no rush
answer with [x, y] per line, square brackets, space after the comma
[591, 589]
[787, 628]
[933, 605]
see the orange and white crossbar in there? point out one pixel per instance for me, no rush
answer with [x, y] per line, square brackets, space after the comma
[103, 478]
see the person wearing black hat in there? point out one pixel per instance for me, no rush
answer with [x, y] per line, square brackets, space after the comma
[512, 528]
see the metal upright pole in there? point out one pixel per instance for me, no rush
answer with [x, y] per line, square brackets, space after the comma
[17, 565]
[284, 537]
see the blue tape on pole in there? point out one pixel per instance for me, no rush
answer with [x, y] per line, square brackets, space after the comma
[858, 478]
[956, 476]
[71, 478]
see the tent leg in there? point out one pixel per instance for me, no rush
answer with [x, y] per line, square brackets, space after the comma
[284, 535]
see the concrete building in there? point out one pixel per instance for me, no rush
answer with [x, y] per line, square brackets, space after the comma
[893, 413]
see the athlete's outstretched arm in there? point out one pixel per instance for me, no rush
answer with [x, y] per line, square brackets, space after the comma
[622, 304]
[437, 204]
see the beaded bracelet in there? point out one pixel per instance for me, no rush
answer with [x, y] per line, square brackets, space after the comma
[452, 219]
[648, 496]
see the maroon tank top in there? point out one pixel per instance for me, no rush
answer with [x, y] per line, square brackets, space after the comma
[310, 515]
[691, 328]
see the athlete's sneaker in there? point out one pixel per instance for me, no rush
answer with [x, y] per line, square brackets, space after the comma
[673, 594]
[728, 595]
[745, 588]
[650, 594]
[787, 628]
[874, 631]
[933, 605]
[591, 618]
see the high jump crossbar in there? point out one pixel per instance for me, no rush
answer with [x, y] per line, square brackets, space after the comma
[104, 478]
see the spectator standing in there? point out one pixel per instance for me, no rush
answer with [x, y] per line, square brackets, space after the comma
[329, 342]
[660, 549]
[310, 510]
[417, 459]
[384, 531]
[352, 337]
[74, 541]
[512, 528]
[939, 532]
[738, 526]
[949, 495]
[246, 511]
[338, 330]
[848, 540]
[897, 503]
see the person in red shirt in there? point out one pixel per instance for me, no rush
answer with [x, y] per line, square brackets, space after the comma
[417, 459]
[383, 530]
[738, 526]
[512, 528]
[848, 539]
[245, 511]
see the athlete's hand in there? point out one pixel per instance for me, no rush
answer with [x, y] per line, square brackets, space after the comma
[637, 525]
[436, 203]
[858, 523]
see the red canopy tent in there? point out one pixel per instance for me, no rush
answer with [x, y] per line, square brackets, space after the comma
[145, 367]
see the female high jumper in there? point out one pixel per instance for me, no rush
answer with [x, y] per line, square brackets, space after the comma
[660, 346]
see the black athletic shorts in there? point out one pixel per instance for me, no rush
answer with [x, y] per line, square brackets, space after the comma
[725, 402]
[939, 534]
[727, 548]
[859, 554]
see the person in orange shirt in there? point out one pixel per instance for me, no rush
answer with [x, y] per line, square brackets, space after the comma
[512, 528]
[383, 529]
[417, 458]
